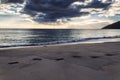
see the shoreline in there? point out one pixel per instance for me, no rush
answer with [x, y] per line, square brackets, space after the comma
[56, 44]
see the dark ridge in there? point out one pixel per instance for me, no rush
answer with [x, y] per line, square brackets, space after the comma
[13, 62]
[113, 26]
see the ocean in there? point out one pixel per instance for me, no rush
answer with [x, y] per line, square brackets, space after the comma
[38, 37]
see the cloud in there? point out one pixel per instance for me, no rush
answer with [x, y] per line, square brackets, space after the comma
[54, 10]
[59, 9]
[103, 8]
[11, 1]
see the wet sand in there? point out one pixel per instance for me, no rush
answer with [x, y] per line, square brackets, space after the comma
[99, 61]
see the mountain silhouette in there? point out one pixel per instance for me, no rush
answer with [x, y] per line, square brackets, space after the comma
[113, 26]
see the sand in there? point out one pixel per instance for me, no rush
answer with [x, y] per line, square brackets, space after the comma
[99, 61]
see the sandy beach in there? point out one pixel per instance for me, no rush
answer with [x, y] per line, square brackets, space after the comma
[100, 61]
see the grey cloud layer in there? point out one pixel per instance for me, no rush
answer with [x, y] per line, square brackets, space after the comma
[55, 9]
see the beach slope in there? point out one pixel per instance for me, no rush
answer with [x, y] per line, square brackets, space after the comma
[99, 61]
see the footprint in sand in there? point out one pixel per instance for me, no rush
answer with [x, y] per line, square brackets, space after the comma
[13, 62]
[76, 56]
[58, 59]
[37, 59]
[110, 54]
[55, 58]
[94, 57]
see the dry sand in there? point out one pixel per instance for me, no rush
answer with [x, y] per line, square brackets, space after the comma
[62, 62]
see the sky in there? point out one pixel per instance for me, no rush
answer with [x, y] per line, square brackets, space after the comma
[82, 14]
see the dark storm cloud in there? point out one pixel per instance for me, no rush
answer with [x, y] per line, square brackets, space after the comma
[55, 9]
[97, 4]
[52, 17]
[11, 1]
[39, 5]
[52, 9]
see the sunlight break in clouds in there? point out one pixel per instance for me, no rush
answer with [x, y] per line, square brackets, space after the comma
[78, 14]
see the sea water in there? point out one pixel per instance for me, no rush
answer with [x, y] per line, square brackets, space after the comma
[38, 37]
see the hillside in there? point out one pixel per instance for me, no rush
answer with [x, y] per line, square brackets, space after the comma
[113, 26]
